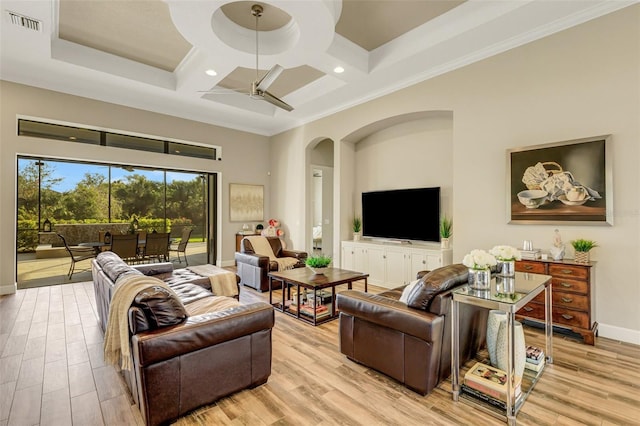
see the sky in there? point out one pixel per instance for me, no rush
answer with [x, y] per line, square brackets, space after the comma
[72, 173]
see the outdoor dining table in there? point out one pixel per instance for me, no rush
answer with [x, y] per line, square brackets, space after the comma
[98, 246]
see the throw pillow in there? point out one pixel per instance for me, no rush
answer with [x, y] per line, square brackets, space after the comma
[161, 307]
[436, 282]
[407, 291]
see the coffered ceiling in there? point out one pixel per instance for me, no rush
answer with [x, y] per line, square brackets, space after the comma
[153, 54]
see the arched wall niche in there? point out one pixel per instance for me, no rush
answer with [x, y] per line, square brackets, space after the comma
[408, 150]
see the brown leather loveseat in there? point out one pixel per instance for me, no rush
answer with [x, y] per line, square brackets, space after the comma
[410, 342]
[253, 268]
[180, 361]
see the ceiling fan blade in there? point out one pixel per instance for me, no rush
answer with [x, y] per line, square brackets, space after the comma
[276, 101]
[224, 91]
[269, 77]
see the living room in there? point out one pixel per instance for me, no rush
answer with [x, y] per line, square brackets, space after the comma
[450, 131]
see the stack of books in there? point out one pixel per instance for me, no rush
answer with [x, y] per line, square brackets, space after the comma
[535, 358]
[323, 297]
[530, 254]
[321, 311]
[489, 384]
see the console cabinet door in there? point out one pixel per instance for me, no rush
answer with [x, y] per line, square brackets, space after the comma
[348, 256]
[376, 258]
[396, 268]
[419, 262]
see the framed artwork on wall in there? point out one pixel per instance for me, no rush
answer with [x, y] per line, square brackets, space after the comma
[566, 183]
[246, 202]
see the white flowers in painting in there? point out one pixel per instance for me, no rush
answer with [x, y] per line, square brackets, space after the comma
[505, 253]
[479, 259]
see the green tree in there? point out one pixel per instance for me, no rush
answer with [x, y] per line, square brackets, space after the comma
[88, 200]
[33, 174]
[138, 196]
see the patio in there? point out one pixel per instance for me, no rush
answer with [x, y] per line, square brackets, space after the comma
[34, 272]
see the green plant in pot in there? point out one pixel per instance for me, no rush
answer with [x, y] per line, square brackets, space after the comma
[357, 227]
[318, 263]
[582, 248]
[446, 231]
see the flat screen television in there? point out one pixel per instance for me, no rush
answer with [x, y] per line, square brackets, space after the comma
[402, 214]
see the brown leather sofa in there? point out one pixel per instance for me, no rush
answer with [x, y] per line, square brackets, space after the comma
[410, 342]
[181, 362]
[253, 268]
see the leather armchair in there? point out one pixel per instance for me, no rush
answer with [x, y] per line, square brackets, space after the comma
[253, 268]
[410, 342]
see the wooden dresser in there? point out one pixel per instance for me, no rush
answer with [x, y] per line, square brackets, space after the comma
[573, 289]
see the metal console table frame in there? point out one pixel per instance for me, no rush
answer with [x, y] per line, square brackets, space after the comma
[508, 294]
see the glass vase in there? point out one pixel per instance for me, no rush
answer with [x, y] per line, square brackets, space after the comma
[480, 279]
[507, 268]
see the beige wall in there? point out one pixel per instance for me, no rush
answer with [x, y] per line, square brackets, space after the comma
[582, 82]
[245, 156]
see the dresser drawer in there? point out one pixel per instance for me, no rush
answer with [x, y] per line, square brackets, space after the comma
[533, 309]
[533, 267]
[567, 284]
[570, 317]
[560, 315]
[571, 271]
[566, 300]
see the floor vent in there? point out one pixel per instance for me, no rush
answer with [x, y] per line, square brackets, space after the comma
[24, 21]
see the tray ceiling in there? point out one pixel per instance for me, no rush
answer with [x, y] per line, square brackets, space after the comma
[153, 54]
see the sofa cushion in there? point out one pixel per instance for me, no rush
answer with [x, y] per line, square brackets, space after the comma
[436, 282]
[160, 306]
[113, 266]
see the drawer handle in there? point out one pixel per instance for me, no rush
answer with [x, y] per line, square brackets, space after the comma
[527, 308]
[567, 316]
[528, 267]
[566, 285]
[567, 271]
[567, 299]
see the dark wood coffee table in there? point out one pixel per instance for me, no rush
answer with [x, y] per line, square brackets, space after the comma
[303, 278]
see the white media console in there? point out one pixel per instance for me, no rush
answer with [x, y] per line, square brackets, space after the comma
[391, 264]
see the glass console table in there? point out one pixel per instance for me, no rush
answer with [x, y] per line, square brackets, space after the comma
[507, 294]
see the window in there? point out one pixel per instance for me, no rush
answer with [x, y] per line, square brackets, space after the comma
[61, 132]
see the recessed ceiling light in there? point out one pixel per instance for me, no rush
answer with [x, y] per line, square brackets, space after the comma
[210, 72]
[338, 70]
[73, 138]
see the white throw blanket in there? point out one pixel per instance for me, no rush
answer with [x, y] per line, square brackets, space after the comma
[262, 247]
[223, 282]
[116, 339]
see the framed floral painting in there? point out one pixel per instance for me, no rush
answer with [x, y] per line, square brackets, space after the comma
[566, 182]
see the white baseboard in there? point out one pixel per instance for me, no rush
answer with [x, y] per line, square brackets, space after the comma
[228, 263]
[618, 333]
[8, 289]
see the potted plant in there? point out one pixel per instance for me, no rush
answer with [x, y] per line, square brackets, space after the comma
[446, 231]
[582, 248]
[318, 263]
[357, 227]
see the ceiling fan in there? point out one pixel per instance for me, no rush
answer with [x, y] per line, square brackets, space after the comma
[258, 89]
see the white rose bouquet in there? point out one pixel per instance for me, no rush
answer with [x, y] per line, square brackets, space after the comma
[505, 253]
[479, 259]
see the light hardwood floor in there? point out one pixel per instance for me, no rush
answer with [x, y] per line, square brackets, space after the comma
[52, 373]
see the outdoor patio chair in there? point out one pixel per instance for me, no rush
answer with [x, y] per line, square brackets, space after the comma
[77, 254]
[125, 246]
[181, 246]
[157, 246]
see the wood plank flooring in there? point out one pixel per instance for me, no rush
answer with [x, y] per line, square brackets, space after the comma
[52, 373]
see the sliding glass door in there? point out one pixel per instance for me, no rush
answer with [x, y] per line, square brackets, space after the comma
[80, 199]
